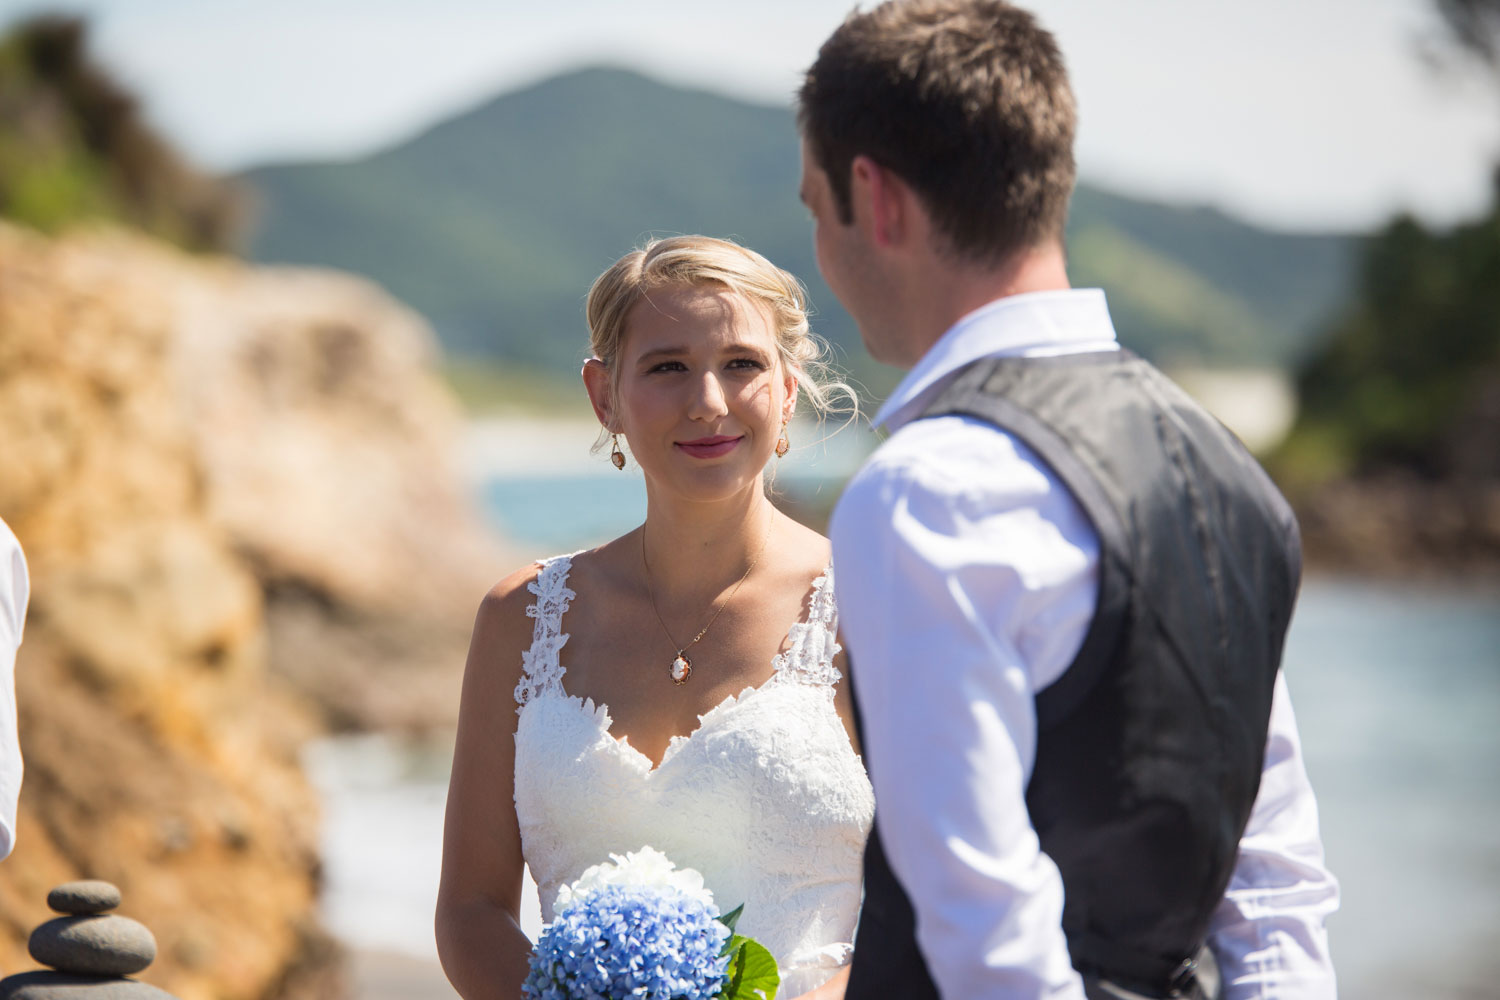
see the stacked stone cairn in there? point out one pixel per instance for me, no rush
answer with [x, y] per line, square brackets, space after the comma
[89, 950]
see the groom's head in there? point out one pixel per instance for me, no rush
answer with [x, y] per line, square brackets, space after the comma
[961, 105]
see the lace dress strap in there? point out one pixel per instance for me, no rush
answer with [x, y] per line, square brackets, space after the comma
[813, 642]
[541, 664]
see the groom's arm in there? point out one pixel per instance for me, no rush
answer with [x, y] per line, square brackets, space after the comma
[1269, 933]
[966, 580]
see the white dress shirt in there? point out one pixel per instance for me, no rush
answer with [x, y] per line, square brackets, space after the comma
[967, 580]
[14, 591]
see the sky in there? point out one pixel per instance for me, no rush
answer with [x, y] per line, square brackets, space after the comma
[1303, 115]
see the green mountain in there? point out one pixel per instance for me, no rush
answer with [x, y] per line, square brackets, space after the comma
[494, 222]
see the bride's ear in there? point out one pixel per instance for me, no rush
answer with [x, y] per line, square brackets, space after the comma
[596, 379]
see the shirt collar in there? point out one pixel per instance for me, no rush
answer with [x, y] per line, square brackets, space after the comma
[1065, 321]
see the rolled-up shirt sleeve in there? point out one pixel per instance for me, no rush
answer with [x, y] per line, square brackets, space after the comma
[1269, 933]
[967, 579]
[14, 592]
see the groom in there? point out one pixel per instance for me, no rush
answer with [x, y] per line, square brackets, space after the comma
[1064, 586]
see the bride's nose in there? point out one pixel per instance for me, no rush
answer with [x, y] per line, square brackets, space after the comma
[709, 401]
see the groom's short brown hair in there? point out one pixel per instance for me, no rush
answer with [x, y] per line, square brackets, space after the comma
[967, 100]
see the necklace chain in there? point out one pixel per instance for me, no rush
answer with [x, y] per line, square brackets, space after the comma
[682, 667]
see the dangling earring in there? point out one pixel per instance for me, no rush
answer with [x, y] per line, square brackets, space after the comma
[615, 454]
[782, 444]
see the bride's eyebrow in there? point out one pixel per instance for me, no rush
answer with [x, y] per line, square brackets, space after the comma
[744, 347]
[661, 354]
[672, 353]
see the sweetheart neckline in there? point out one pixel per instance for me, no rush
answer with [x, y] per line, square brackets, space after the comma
[676, 740]
[600, 713]
[597, 709]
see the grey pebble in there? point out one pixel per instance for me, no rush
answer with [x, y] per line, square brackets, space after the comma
[79, 898]
[95, 946]
[62, 986]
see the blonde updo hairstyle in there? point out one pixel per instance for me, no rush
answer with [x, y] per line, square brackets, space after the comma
[704, 260]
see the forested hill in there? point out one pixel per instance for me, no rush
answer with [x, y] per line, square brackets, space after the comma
[494, 222]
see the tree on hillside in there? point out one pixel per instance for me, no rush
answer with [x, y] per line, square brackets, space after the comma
[1474, 26]
[73, 146]
[1410, 377]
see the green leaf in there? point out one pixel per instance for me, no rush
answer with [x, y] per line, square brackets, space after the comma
[732, 917]
[752, 972]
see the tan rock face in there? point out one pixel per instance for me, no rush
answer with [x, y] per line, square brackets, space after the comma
[179, 438]
[326, 441]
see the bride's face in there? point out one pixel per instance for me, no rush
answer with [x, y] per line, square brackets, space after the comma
[701, 394]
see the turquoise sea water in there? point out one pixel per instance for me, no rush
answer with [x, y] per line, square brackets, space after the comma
[1397, 692]
[561, 513]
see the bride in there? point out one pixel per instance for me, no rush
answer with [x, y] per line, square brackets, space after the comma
[678, 686]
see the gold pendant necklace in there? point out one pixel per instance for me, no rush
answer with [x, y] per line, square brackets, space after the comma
[682, 667]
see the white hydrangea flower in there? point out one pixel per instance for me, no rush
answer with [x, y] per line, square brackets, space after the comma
[646, 867]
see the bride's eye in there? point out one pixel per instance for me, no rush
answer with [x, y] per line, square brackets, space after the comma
[667, 366]
[748, 364]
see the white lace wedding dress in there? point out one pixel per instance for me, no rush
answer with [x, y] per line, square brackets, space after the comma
[766, 798]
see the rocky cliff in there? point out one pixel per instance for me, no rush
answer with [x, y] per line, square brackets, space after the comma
[233, 489]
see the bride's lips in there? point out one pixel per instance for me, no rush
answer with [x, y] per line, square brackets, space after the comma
[710, 447]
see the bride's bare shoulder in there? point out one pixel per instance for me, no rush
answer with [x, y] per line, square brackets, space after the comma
[593, 570]
[600, 572]
[501, 625]
[815, 549]
[510, 595]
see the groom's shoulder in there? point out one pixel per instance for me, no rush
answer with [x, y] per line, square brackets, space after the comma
[949, 451]
[954, 459]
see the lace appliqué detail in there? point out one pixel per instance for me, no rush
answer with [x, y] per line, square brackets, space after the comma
[813, 642]
[766, 798]
[542, 667]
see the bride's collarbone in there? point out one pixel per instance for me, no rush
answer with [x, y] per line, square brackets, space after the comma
[620, 656]
[635, 679]
[628, 669]
[616, 634]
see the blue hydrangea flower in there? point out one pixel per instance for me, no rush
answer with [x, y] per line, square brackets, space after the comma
[624, 941]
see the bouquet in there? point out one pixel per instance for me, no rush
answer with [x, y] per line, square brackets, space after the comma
[639, 927]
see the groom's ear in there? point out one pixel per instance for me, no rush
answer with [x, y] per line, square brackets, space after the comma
[884, 201]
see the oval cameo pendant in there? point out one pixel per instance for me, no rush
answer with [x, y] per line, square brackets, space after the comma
[682, 669]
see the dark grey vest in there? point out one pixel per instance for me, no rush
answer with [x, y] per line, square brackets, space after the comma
[1150, 745]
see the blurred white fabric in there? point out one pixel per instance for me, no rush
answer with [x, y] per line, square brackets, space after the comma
[14, 592]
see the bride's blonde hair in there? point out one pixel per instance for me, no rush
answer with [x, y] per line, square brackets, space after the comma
[697, 260]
